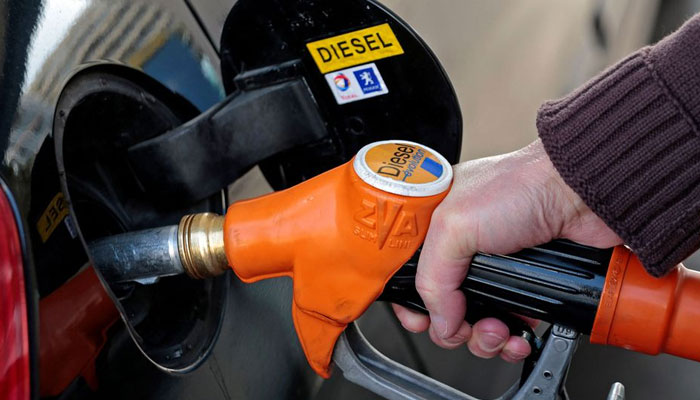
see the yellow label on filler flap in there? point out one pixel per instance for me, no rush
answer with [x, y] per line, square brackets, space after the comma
[52, 216]
[354, 48]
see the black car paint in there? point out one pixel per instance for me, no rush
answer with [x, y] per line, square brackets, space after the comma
[255, 357]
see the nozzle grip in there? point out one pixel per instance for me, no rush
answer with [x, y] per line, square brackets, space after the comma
[559, 282]
[401, 289]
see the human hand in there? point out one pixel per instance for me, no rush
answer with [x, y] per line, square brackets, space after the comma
[498, 205]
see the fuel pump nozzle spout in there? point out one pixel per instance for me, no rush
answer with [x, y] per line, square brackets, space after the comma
[194, 247]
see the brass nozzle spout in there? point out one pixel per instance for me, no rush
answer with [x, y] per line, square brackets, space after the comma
[200, 240]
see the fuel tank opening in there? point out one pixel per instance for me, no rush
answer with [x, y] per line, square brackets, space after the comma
[101, 112]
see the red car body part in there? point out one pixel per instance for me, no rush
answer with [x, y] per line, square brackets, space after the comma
[646, 314]
[14, 331]
[73, 320]
[340, 236]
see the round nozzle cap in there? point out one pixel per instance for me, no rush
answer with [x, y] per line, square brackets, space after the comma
[404, 168]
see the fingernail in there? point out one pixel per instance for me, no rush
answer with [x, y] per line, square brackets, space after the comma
[490, 342]
[456, 339]
[439, 325]
[516, 356]
[408, 329]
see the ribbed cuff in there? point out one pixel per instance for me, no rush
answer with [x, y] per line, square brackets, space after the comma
[629, 146]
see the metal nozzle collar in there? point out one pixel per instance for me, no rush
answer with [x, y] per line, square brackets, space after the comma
[200, 241]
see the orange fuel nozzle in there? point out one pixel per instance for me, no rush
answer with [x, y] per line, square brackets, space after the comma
[646, 314]
[344, 234]
[340, 236]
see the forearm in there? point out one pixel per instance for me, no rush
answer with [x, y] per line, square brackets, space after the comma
[628, 142]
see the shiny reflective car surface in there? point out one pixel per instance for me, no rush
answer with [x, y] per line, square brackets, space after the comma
[150, 63]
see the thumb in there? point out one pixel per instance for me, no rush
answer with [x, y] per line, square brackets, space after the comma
[442, 266]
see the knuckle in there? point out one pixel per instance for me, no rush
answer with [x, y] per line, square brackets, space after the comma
[426, 288]
[451, 228]
[438, 221]
[444, 221]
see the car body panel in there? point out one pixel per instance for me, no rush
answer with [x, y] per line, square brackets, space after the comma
[43, 45]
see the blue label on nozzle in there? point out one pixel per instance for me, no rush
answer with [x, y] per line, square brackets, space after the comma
[431, 166]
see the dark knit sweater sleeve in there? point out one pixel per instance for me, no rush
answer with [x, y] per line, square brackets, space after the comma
[628, 142]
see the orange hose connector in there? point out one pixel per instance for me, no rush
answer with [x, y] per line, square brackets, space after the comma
[650, 315]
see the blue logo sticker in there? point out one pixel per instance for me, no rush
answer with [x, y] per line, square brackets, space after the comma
[432, 167]
[356, 83]
[368, 80]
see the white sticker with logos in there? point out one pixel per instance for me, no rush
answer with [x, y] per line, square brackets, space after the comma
[356, 83]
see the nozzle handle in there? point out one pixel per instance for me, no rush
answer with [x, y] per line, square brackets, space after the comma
[559, 282]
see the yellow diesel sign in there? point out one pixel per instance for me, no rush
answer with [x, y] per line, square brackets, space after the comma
[354, 48]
